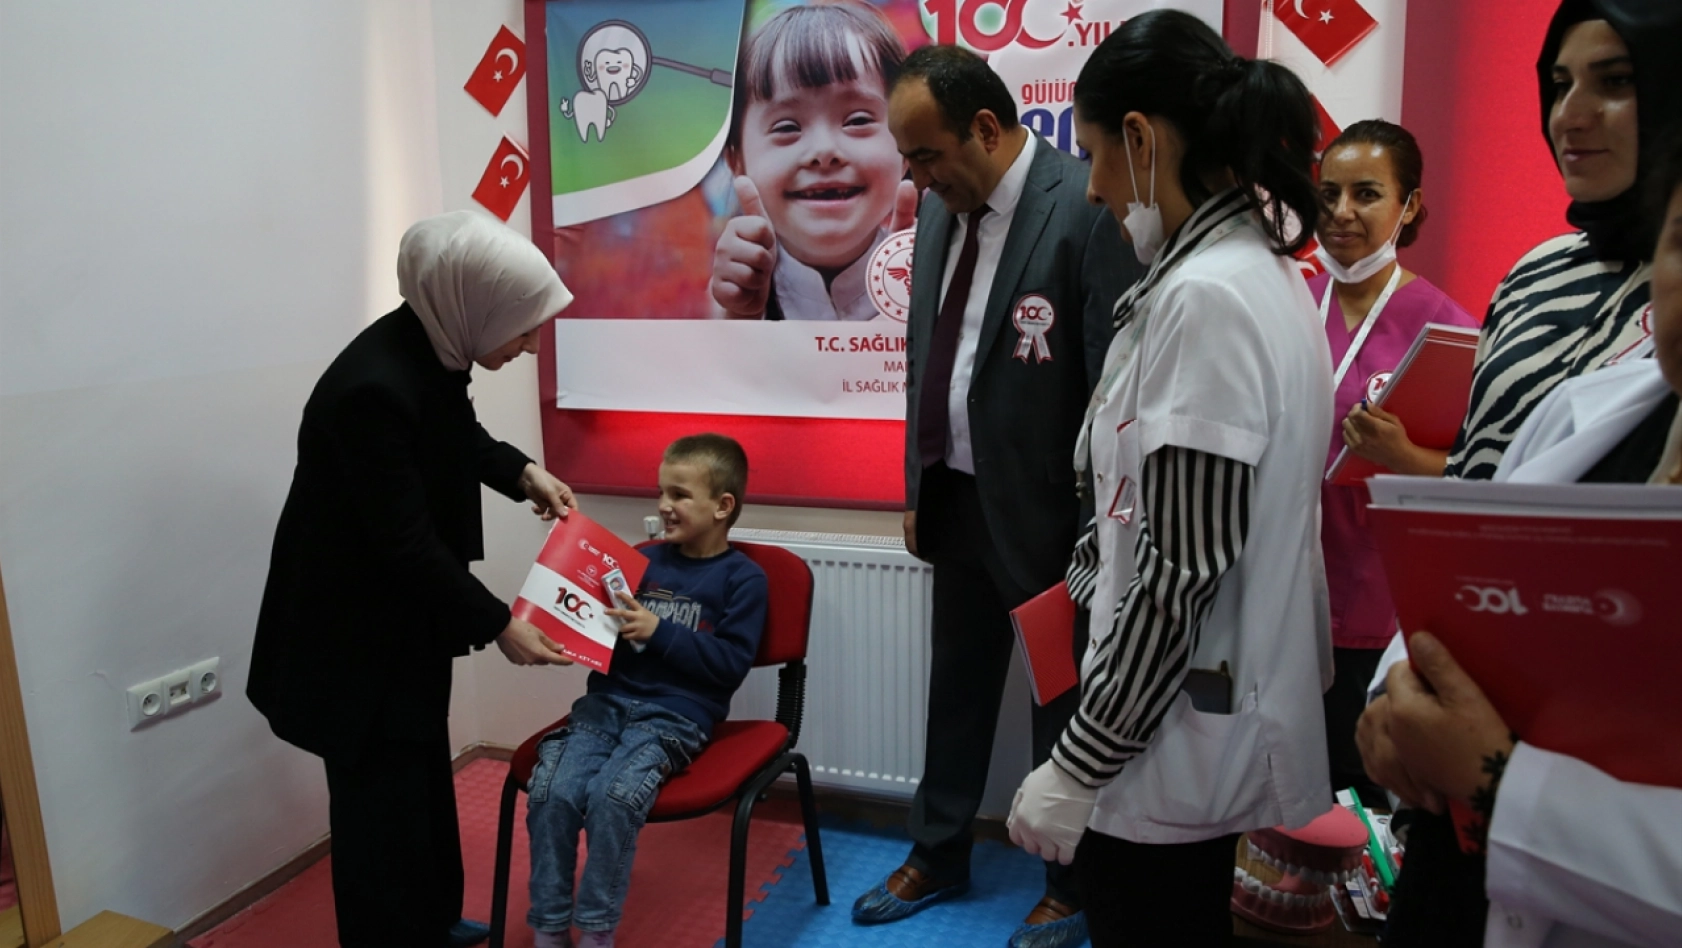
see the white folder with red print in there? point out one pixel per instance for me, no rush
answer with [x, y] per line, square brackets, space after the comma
[564, 594]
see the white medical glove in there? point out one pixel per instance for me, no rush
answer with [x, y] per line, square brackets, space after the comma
[1050, 813]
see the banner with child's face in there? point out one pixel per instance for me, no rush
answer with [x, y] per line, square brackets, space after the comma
[722, 187]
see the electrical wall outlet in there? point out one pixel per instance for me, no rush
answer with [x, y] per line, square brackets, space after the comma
[146, 702]
[156, 699]
[204, 680]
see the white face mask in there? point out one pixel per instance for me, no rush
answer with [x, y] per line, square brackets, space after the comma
[1367, 266]
[1144, 223]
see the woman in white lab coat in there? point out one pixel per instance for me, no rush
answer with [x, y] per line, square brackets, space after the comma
[1206, 442]
[1575, 858]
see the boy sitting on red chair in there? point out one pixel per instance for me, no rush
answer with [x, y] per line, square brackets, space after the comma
[688, 639]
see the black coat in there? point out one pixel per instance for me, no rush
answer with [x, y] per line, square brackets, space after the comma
[369, 596]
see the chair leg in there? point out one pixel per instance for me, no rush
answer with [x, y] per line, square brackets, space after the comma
[504, 856]
[809, 813]
[739, 867]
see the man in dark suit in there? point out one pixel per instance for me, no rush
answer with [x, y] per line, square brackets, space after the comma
[1013, 279]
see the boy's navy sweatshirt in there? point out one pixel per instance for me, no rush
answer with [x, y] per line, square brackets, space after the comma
[712, 613]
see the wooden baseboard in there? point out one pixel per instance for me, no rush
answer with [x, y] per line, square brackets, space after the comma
[110, 930]
[483, 751]
[257, 891]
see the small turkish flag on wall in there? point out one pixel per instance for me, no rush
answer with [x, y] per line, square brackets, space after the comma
[505, 179]
[501, 69]
[1329, 28]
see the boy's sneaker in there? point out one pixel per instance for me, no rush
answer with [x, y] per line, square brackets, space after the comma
[560, 939]
[595, 939]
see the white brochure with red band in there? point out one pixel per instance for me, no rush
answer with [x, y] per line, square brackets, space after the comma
[564, 594]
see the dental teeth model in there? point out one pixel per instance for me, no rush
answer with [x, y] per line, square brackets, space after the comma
[1283, 878]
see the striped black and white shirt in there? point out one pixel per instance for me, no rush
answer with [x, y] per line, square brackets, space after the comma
[1196, 518]
[1558, 314]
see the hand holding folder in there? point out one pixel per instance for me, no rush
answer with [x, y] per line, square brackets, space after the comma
[1428, 391]
[1557, 600]
[566, 593]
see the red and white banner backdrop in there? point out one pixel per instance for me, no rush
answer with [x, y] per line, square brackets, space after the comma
[1348, 52]
[645, 355]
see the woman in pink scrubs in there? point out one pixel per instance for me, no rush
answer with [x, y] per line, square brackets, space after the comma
[1373, 310]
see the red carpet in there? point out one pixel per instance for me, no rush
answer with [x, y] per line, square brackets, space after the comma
[677, 884]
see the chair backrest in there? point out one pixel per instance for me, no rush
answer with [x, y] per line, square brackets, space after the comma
[788, 614]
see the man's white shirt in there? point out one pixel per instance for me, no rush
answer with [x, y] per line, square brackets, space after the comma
[995, 227]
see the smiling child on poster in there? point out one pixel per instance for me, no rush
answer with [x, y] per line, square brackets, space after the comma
[817, 173]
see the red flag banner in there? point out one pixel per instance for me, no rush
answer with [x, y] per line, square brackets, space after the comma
[504, 181]
[1329, 28]
[501, 69]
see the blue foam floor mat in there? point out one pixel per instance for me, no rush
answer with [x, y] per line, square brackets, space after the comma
[1005, 882]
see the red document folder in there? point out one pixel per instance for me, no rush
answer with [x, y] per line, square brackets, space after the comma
[1045, 629]
[564, 595]
[1428, 391]
[1566, 612]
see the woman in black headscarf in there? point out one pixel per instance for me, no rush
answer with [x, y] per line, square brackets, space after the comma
[1579, 302]
[1572, 305]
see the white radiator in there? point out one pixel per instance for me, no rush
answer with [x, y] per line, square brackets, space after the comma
[867, 662]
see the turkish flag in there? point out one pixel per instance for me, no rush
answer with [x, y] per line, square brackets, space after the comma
[501, 69]
[1329, 28]
[505, 179]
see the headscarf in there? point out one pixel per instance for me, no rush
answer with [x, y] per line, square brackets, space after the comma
[475, 284]
[1652, 29]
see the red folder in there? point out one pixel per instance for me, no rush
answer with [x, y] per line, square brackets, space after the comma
[1428, 391]
[564, 595]
[1045, 629]
[1564, 611]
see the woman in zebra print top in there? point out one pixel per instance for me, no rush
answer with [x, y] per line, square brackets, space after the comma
[1573, 305]
[1579, 302]
[1560, 312]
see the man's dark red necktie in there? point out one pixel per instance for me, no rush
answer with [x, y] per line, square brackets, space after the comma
[933, 418]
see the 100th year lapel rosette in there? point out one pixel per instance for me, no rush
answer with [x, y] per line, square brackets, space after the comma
[566, 593]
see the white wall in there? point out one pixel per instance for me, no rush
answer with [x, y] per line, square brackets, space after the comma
[199, 205]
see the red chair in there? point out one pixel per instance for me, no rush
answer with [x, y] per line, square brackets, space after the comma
[740, 762]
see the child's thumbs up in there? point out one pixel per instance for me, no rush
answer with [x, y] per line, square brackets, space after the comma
[745, 257]
[905, 207]
[748, 194]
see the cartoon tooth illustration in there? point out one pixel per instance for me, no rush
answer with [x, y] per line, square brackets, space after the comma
[613, 64]
[615, 72]
[589, 110]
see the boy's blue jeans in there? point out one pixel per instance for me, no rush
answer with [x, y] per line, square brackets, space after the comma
[600, 774]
